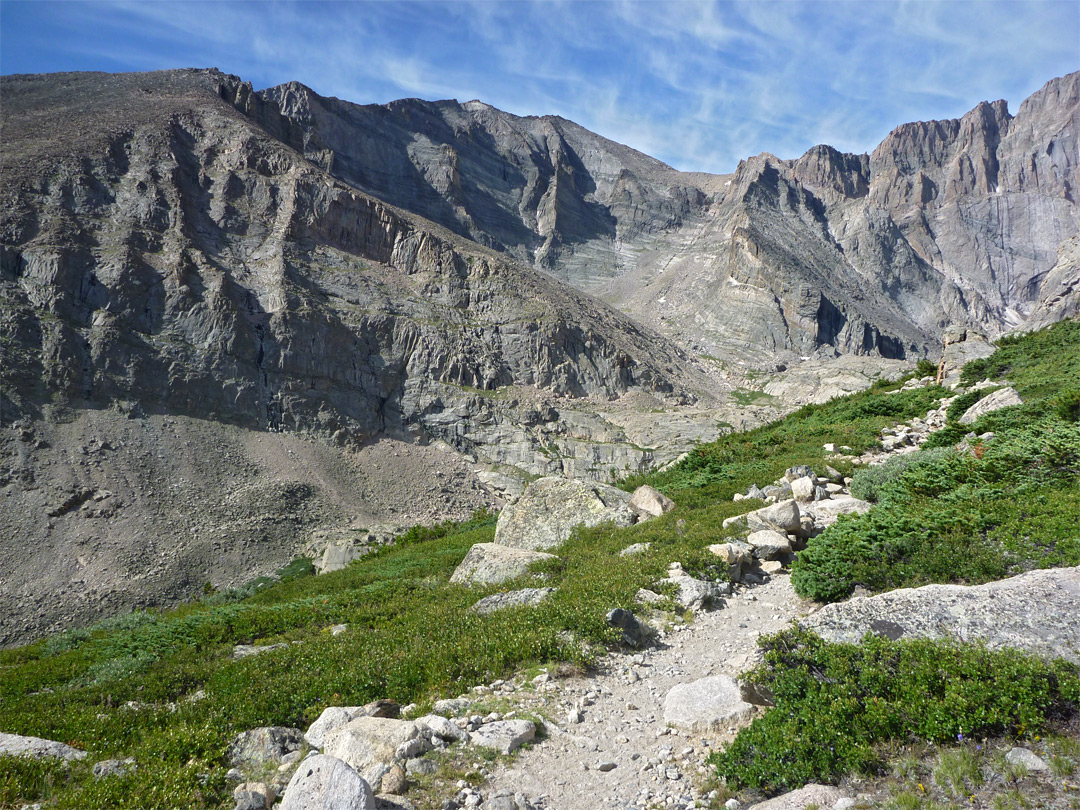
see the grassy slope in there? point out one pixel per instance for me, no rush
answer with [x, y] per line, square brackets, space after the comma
[410, 634]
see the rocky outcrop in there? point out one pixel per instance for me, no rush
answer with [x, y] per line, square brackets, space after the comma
[324, 781]
[551, 508]
[1035, 612]
[492, 564]
[16, 745]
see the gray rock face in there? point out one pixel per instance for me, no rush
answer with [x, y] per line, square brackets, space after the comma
[994, 401]
[37, 748]
[551, 508]
[707, 705]
[491, 563]
[328, 783]
[195, 273]
[864, 253]
[369, 745]
[1035, 612]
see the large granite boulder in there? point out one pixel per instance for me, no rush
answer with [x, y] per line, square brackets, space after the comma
[649, 502]
[491, 564]
[327, 783]
[994, 401]
[258, 746]
[822, 797]
[551, 508]
[1035, 612]
[707, 705]
[17, 745]
[369, 745]
[525, 597]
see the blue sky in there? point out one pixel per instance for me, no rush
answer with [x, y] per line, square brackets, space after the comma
[697, 84]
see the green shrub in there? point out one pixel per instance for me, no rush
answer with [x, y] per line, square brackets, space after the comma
[868, 481]
[926, 368]
[1067, 405]
[836, 702]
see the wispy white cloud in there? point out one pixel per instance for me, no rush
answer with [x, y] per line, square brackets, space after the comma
[698, 84]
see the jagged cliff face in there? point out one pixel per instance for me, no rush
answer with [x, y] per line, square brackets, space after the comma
[207, 342]
[947, 222]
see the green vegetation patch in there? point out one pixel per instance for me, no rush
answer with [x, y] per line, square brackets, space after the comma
[836, 704]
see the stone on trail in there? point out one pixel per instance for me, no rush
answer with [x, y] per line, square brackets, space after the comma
[821, 796]
[37, 748]
[491, 564]
[802, 489]
[1035, 612]
[443, 728]
[327, 783]
[551, 508]
[526, 597]
[694, 594]
[650, 502]
[709, 704]
[995, 401]
[258, 746]
[768, 544]
[505, 736]
[634, 633]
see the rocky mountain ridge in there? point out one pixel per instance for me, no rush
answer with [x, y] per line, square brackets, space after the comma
[951, 222]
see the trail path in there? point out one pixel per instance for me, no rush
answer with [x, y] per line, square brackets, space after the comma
[622, 713]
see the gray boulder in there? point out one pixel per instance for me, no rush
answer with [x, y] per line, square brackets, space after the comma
[634, 633]
[443, 728]
[802, 489]
[1026, 758]
[995, 401]
[37, 748]
[491, 564]
[505, 736]
[330, 722]
[635, 548]
[551, 508]
[693, 594]
[649, 502]
[369, 745]
[326, 783]
[258, 746]
[779, 517]
[825, 513]
[707, 705]
[526, 597]
[768, 544]
[738, 556]
[1035, 611]
[114, 767]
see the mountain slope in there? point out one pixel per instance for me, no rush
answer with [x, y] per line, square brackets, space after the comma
[947, 222]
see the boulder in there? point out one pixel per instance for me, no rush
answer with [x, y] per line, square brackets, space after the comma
[707, 705]
[798, 471]
[526, 597]
[443, 728]
[825, 512]
[330, 722]
[1035, 612]
[636, 548]
[649, 502]
[781, 517]
[802, 489]
[694, 594]
[505, 736]
[258, 746]
[327, 783]
[37, 748]
[1028, 759]
[551, 508]
[367, 743]
[507, 801]
[818, 796]
[994, 401]
[634, 633]
[253, 796]
[491, 564]
[768, 544]
[738, 556]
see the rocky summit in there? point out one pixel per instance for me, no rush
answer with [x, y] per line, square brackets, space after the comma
[238, 327]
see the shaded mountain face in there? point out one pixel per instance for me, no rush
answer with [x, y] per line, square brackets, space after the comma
[947, 222]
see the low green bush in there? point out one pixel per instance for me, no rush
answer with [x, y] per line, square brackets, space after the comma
[868, 481]
[836, 704]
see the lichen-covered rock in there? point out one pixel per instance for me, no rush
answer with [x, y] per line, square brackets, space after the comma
[369, 745]
[17, 745]
[551, 508]
[1035, 612]
[769, 544]
[492, 563]
[524, 597]
[327, 783]
[505, 736]
[994, 401]
[258, 746]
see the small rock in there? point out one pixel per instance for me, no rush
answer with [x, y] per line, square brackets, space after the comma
[1026, 758]
[605, 766]
[650, 502]
[114, 767]
[505, 736]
